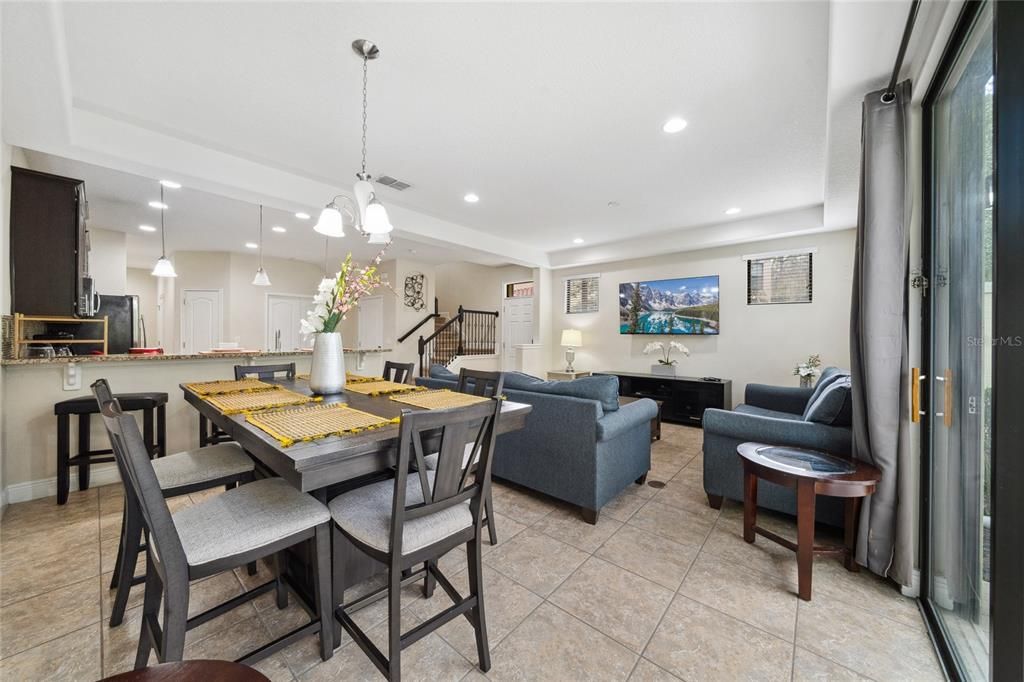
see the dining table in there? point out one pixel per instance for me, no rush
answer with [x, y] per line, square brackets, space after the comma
[329, 466]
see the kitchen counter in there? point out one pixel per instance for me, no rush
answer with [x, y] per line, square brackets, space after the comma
[169, 357]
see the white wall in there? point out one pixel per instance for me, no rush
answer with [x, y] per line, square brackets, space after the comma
[108, 261]
[759, 344]
[246, 318]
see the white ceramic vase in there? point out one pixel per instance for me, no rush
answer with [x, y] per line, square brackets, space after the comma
[327, 374]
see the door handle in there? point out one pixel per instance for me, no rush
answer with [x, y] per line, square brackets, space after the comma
[915, 394]
[947, 398]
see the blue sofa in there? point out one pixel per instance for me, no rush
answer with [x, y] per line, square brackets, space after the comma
[779, 415]
[579, 445]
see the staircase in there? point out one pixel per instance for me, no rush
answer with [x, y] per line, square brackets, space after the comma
[470, 332]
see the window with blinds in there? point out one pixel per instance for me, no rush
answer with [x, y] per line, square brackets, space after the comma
[581, 294]
[785, 278]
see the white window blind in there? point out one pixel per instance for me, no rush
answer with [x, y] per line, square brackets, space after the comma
[581, 294]
[780, 278]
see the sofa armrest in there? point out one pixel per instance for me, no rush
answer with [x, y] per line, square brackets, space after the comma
[793, 432]
[628, 416]
[779, 398]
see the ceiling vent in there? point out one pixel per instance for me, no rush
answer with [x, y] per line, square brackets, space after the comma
[393, 183]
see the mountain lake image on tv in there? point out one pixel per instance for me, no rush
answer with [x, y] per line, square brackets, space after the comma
[687, 305]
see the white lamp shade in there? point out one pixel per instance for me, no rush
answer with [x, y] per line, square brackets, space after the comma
[331, 222]
[572, 338]
[164, 268]
[375, 220]
[363, 191]
[261, 279]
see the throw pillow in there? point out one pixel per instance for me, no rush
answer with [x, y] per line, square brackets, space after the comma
[834, 406]
[829, 375]
[604, 389]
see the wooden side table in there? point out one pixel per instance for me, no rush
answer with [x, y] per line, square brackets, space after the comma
[811, 473]
[655, 423]
[562, 375]
[191, 671]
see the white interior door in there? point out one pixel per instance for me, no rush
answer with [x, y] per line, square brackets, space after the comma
[371, 322]
[516, 328]
[201, 320]
[283, 314]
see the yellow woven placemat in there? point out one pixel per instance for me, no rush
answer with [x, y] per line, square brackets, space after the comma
[237, 403]
[439, 399]
[228, 386]
[381, 387]
[316, 421]
[349, 378]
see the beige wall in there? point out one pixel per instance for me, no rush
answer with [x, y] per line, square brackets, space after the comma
[475, 286]
[246, 318]
[759, 344]
[108, 261]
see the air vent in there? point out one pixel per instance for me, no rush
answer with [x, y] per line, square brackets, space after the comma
[393, 183]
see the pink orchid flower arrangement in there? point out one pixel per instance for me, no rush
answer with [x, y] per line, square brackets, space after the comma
[336, 298]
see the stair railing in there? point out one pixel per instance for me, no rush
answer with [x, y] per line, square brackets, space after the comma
[422, 322]
[470, 332]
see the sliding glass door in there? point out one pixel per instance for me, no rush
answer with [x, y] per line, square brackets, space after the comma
[966, 336]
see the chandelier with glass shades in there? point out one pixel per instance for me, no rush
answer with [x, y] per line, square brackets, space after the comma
[366, 213]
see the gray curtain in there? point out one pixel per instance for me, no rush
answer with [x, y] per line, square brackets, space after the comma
[878, 336]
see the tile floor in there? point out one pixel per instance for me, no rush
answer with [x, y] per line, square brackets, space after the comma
[662, 588]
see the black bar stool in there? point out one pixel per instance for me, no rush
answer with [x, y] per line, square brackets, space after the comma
[148, 403]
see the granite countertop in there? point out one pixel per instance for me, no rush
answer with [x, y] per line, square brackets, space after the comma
[168, 358]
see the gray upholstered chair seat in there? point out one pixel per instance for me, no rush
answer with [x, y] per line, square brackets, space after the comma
[198, 466]
[431, 460]
[365, 514]
[254, 515]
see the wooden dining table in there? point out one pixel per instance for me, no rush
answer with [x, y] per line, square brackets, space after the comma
[329, 466]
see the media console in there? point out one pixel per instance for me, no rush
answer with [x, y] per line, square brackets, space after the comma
[684, 398]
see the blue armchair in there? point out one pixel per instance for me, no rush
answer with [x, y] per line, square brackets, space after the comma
[816, 418]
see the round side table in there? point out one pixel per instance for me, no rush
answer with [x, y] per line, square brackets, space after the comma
[810, 473]
[186, 671]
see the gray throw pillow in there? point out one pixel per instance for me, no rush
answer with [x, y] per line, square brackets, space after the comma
[519, 381]
[828, 375]
[833, 406]
[441, 372]
[604, 389]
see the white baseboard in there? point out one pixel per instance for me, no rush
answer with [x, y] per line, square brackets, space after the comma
[47, 487]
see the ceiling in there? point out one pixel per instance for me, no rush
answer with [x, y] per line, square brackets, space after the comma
[547, 111]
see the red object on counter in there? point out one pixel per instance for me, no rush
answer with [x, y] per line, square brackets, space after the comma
[145, 351]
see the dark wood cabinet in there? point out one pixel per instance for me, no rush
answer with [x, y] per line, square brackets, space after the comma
[48, 243]
[684, 399]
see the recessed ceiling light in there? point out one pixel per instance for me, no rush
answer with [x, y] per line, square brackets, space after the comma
[302, 216]
[170, 184]
[674, 125]
[471, 198]
[578, 240]
[252, 245]
[278, 228]
[158, 204]
[613, 204]
[147, 228]
[733, 211]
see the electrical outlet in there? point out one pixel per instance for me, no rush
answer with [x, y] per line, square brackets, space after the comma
[72, 377]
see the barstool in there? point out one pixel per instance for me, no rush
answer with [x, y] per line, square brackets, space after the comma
[148, 403]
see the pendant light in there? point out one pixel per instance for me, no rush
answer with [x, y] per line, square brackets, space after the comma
[261, 279]
[164, 267]
[366, 212]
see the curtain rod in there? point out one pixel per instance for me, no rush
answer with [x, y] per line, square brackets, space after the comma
[890, 92]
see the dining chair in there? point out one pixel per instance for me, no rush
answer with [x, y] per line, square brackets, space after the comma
[181, 473]
[265, 371]
[488, 385]
[399, 372]
[417, 518]
[236, 527]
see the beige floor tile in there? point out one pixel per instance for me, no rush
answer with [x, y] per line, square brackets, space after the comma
[536, 561]
[553, 645]
[568, 526]
[39, 619]
[44, 515]
[675, 524]
[645, 671]
[652, 556]
[696, 642]
[523, 507]
[831, 579]
[763, 555]
[663, 471]
[683, 495]
[304, 654]
[865, 642]
[32, 564]
[755, 598]
[232, 642]
[135, 596]
[809, 667]
[73, 657]
[692, 474]
[120, 643]
[619, 603]
[274, 668]
[627, 503]
[506, 529]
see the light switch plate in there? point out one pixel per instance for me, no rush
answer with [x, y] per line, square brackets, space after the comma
[72, 377]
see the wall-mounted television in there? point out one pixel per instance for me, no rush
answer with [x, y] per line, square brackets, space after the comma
[687, 305]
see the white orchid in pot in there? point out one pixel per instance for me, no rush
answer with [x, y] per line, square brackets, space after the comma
[335, 298]
[666, 365]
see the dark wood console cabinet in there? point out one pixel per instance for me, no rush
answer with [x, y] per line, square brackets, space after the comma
[684, 398]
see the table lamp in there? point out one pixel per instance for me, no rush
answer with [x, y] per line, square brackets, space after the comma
[571, 340]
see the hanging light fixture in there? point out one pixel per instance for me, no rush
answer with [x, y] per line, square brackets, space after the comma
[366, 213]
[164, 267]
[261, 279]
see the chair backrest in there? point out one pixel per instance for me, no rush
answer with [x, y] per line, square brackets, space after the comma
[140, 482]
[452, 485]
[265, 371]
[399, 372]
[478, 382]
